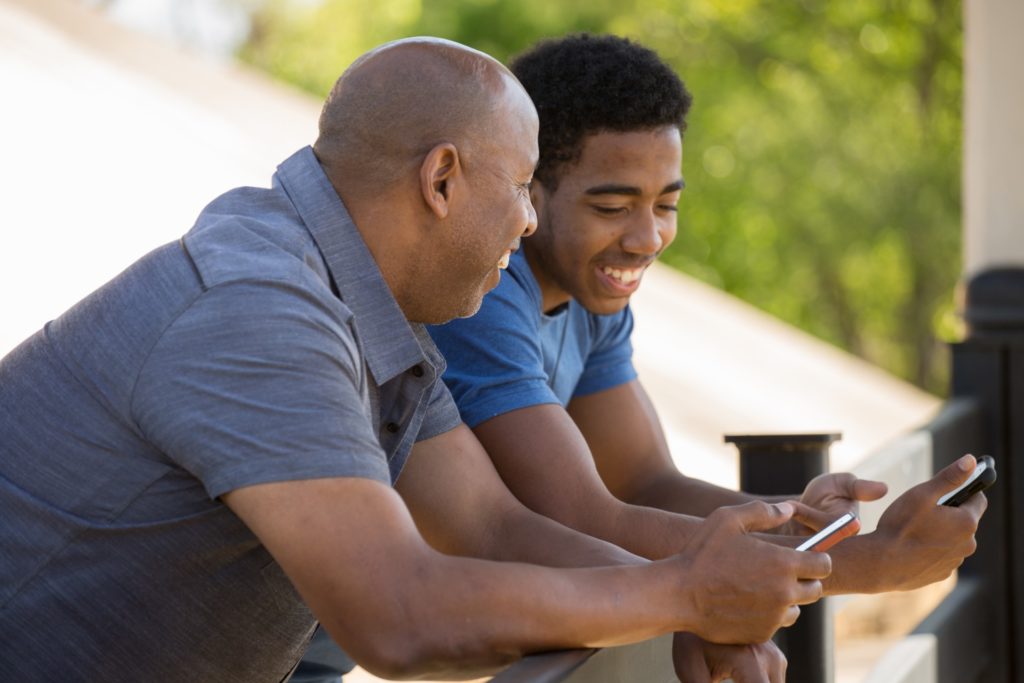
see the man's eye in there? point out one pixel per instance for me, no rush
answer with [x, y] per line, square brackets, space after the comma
[668, 207]
[609, 210]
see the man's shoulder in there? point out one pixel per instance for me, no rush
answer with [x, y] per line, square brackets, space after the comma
[252, 234]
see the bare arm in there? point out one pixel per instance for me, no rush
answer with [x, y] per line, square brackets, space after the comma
[545, 461]
[625, 436]
[403, 608]
[462, 507]
[628, 445]
[481, 517]
[915, 544]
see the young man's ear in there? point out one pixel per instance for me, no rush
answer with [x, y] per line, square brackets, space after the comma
[538, 195]
[438, 173]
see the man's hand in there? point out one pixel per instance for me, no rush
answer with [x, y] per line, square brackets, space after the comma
[698, 661]
[921, 542]
[743, 589]
[828, 497]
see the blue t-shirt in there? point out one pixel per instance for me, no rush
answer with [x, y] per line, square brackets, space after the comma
[511, 355]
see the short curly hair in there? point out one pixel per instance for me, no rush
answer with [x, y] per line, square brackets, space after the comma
[583, 84]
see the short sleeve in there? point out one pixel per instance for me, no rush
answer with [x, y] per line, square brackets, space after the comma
[258, 382]
[442, 414]
[495, 360]
[610, 361]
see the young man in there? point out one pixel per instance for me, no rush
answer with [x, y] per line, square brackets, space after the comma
[543, 376]
[199, 457]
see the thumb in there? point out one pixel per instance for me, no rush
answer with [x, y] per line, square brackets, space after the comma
[951, 476]
[866, 490]
[761, 516]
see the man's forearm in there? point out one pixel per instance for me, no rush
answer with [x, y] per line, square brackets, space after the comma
[526, 536]
[469, 617]
[676, 492]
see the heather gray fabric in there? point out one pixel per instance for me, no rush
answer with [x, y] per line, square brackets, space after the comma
[265, 346]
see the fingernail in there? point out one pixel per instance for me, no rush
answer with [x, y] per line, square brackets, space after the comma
[784, 508]
[966, 463]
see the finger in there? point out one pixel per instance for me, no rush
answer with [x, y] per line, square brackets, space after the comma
[976, 505]
[777, 664]
[688, 658]
[866, 490]
[949, 477]
[758, 515]
[748, 671]
[792, 614]
[808, 591]
[813, 519]
[812, 565]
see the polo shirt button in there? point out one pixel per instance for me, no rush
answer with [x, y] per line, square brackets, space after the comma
[391, 427]
[417, 371]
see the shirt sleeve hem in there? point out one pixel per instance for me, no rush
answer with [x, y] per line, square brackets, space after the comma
[318, 467]
[605, 381]
[503, 403]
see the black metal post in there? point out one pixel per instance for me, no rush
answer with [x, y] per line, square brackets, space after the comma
[782, 464]
[988, 367]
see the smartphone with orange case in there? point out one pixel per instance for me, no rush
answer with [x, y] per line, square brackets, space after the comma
[845, 526]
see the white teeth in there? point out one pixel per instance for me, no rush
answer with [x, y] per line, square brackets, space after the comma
[624, 276]
[503, 263]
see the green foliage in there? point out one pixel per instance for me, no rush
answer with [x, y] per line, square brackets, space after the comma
[822, 156]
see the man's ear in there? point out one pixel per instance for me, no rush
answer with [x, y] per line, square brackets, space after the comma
[439, 170]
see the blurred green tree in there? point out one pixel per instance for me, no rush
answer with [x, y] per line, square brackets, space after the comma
[822, 155]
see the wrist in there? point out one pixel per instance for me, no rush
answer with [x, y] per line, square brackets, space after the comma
[859, 565]
[676, 594]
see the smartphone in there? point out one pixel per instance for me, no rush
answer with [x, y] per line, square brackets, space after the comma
[983, 476]
[847, 525]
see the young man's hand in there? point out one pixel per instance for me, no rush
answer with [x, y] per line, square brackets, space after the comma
[698, 661]
[921, 542]
[828, 497]
[741, 589]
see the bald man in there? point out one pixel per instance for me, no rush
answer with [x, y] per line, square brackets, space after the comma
[200, 460]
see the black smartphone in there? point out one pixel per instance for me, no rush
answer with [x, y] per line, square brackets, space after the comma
[983, 476]
[847, 525]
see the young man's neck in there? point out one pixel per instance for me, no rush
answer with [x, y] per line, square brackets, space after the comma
[552, 296]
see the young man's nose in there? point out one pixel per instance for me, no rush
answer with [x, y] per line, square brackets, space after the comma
[644, 235]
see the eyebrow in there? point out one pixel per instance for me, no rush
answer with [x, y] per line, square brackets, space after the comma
[631, 190]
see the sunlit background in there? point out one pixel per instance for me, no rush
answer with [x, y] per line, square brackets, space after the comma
[822, 162]
[822, 157]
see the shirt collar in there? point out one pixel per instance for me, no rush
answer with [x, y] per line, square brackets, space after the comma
[390, 343]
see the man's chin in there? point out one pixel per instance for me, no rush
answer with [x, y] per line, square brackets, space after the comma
[467, 307]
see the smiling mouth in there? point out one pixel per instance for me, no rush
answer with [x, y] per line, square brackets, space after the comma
[624, 276]
[503, 262]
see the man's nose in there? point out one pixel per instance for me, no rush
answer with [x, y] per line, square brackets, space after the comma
[531, 219]
[644, 234]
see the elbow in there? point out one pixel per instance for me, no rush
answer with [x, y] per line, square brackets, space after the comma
[408, 649]
[412, 657]
[395, 660]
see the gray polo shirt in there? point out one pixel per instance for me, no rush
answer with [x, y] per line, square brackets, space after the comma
[264, 346]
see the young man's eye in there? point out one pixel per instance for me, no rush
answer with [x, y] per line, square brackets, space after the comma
[609, 210]
[668, 207]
